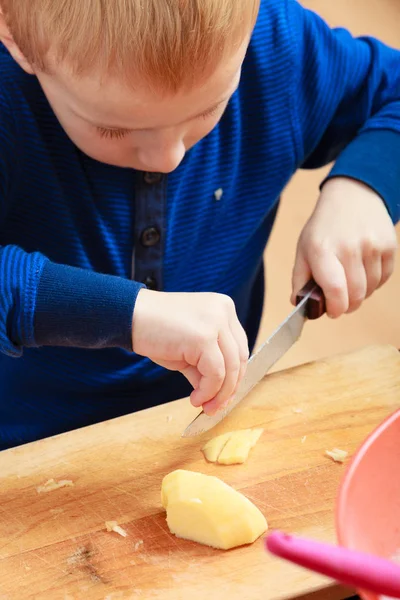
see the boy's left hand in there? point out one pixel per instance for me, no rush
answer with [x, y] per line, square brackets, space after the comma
[348, 246]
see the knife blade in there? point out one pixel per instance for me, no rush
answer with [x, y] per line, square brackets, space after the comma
[310, 304]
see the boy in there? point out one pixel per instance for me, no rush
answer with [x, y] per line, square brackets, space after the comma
[143, 151]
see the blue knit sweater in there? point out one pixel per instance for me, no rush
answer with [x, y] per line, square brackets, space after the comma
[79, 238]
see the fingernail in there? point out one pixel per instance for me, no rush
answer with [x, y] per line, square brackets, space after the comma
[210, 412]
[227, 402]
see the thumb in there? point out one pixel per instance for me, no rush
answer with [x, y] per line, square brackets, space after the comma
[301, 274]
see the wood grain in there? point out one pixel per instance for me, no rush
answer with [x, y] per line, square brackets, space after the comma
[55, 546]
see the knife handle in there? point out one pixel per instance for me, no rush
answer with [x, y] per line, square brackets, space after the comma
[316, 303]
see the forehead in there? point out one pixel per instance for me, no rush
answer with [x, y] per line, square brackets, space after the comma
[109, 101]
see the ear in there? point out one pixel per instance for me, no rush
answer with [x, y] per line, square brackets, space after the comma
[7, 39]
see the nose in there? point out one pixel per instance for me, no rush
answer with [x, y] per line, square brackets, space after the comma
[161, 155]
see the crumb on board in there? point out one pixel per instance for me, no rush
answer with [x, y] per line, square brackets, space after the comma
[303, 439]
[218, 193]
[52, 485]
[113, 526]
[337, 455]
[137, 545]
[169, 418]
[297, 411]
[56, 511]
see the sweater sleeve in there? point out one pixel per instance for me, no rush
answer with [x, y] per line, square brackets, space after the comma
[347, 104]
[43, 303]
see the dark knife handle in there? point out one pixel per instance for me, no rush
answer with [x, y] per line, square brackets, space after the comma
[316, 303]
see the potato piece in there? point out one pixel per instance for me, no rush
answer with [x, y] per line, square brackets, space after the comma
[237, 449]
[204, 509]
[213, 448]
[233, 447]
[52, 485]
[337, 455]
[113, 526]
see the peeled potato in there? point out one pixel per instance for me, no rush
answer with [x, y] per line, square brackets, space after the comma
[231, 448]
[204, 509]
[213, 448]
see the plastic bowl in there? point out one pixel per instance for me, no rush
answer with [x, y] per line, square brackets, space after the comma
[368, 507]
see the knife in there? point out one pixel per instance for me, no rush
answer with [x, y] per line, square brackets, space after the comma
[310, 304]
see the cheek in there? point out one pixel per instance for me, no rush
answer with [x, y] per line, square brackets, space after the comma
[86, 139]
[199, 130]
[101, 149]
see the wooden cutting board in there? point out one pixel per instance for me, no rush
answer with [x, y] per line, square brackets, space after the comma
[54, 546]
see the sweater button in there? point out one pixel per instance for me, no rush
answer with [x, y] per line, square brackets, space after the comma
[150, 282]
[150, 237]
[152, 178]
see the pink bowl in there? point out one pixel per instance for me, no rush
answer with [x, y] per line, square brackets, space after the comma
[368, 506]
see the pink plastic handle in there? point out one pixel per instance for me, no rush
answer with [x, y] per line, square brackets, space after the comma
[356, 569]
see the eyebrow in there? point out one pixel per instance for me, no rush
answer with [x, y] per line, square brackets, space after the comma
[117, 128]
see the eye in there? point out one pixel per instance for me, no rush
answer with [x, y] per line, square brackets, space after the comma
[112, 134]
[210, 113]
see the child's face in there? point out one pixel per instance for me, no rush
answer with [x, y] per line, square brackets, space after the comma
[135, 127]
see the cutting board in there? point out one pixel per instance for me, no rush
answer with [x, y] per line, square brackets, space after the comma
[54, 545]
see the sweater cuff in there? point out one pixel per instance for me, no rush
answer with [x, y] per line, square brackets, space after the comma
[83, 309]
[373, 158]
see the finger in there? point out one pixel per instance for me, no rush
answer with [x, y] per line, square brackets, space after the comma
[242, 373]
[230, 350]
[211, 407]
[240, 336]
[211, 366]
[356, 279]
[329, 274]
[373, 269]
[387, 266]
[300, 276]
[241, 339]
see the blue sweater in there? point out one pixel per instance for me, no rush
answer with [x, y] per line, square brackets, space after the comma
[78, 239]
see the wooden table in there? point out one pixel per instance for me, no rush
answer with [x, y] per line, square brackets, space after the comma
[54, 546]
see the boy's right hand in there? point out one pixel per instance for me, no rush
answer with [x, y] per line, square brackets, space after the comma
[198, 334]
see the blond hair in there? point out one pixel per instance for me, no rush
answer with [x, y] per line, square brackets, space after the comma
[168, 43]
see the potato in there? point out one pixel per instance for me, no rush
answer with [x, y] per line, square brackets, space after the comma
[231, 448]
[204, 509]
